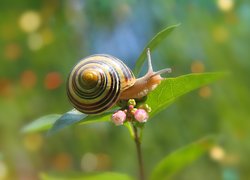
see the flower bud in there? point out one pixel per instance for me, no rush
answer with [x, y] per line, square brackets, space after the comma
[141, 115]
[131, 102]
[146, 107]
[130, 107]
[133, 111]
[119, 117]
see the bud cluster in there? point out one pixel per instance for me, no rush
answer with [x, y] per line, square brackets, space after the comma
[131, 113]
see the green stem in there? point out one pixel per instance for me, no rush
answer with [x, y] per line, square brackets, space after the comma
[139, 153]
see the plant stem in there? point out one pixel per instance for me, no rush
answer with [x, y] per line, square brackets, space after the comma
[139, 153]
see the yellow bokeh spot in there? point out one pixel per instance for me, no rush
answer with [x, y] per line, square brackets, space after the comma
[30, 21]
[89, 162]
[33, 142]
[220, 34]
[3, 170]
[47, 35]
[217, 153]
[35, 41]
[225, 5]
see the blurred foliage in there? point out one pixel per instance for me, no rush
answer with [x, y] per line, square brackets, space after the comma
[42, 40]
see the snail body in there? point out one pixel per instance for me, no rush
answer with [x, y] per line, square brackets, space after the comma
[97, 82]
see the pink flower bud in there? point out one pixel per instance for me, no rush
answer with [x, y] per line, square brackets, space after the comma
[119, 117]
[130, 107]
[141, 115]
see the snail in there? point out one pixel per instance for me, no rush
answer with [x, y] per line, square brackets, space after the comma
[97, 82]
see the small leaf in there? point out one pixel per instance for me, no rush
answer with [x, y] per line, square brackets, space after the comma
[170, 89]
[59, 121]
[181, 158]
[157, 39]
[94, 176]
[41, 124]
[76, 117]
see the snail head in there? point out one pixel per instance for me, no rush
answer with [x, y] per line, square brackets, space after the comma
[146, 83]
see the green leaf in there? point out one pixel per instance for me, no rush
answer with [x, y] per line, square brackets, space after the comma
[94, 176]
[181, 158]
[41, 124]
[171, 88]
[157, 39]
[67, 119]
[74, 116]
[56, 122]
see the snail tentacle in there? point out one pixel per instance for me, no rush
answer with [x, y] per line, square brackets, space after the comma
[150, 67]
[146, 83]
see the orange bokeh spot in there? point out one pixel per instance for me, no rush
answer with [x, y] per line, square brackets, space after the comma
[62, 161]
[205, 92]
[28, 79]
[104, 162]
[12, 51]
[52, 80]
[5, 87]
[197, 67]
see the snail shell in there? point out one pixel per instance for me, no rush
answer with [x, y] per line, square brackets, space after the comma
[97, 82]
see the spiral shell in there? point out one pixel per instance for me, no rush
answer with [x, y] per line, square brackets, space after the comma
[96, 82]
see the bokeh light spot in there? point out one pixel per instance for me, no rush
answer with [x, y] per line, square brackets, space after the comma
[62, 161]
[35, 41]
[122, 11]
[217, 153]
[197, 67]
[28, 79]
[225, 5]
[220, 34]
[33, 142]
[89, 162]
[205, 92]
[30, 21]
[52, 80]
[3, 170]
[104, 162]
[12, 51]
[5, 88]
[47, 36]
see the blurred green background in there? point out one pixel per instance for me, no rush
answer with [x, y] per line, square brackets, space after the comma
[40, 41]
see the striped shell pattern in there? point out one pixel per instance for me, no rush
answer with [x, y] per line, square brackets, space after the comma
[96, 82]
